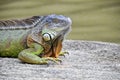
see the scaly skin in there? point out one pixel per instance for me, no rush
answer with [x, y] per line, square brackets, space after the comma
[12, 42]
[34, 40]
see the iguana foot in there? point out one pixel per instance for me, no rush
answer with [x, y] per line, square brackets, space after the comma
[56, 60]
[63, 53]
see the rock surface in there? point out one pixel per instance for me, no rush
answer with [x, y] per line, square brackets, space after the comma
[87, 60]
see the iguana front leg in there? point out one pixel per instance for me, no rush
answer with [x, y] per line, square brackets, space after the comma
[30, 55]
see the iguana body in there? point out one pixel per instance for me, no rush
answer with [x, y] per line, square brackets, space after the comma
[34, 40]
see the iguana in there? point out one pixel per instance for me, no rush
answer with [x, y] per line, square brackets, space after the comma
[34, 40]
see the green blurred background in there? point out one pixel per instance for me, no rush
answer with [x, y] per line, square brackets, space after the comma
[96, 20]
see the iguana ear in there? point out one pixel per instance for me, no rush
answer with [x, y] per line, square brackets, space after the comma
[46, 37]
[48, 34]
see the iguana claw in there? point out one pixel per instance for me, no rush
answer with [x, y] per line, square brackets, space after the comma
[56, 60]
[63, 53]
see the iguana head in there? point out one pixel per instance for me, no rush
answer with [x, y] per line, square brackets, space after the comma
[55, 26]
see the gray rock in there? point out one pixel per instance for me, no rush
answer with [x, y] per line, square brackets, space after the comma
[87, 60]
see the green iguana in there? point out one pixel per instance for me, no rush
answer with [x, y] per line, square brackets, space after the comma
[34, 40]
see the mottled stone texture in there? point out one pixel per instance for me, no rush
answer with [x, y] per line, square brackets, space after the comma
[87, 60]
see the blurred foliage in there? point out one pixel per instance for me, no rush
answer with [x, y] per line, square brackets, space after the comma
[92, 19]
